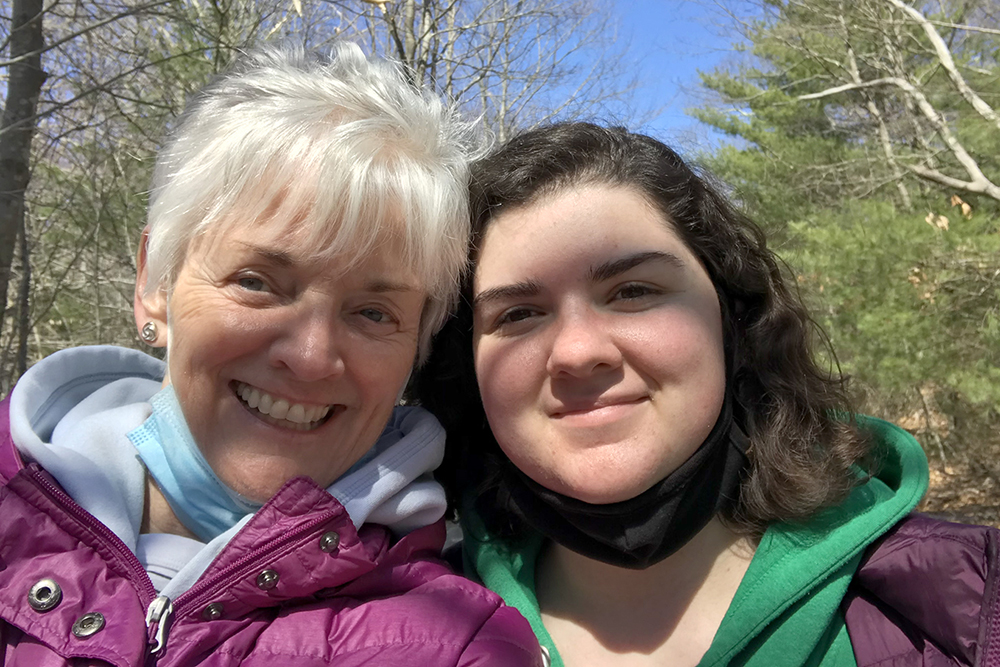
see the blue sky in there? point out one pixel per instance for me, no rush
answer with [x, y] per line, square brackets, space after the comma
[670, 41]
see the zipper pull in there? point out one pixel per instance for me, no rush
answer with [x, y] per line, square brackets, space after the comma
[158, 622]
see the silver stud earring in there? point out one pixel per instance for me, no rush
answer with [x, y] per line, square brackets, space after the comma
[149, 332]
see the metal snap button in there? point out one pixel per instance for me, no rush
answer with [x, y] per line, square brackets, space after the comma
[213, 611]
[267, 580]
[44, 595]
[88, 624]
[329, 541]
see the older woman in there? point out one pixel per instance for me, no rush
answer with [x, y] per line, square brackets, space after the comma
[650, 464]
[259, 499]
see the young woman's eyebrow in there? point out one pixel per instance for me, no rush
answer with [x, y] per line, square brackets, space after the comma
[515, 291]
[618, 266]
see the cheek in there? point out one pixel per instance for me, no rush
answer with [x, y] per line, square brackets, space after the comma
[506, 376]
[685, 339]
[381, 370]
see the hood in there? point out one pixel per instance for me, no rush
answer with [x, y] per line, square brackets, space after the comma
[72, 411]
[787, 608]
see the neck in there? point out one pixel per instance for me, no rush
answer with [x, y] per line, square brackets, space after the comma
[639, 611]
[157, 517]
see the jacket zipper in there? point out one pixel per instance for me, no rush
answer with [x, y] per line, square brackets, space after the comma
[160, 609]
[82, 516]
[234, 571]
[158, 623]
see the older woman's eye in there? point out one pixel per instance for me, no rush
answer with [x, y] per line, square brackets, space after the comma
[375, 315]
[252, 284]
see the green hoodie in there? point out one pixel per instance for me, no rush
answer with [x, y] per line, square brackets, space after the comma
[787, 608]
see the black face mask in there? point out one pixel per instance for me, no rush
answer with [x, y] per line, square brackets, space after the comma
[641, 531]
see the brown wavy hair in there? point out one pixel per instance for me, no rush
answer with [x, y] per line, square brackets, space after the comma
[803, 445]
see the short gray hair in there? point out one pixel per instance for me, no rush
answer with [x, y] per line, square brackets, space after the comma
[346, 145]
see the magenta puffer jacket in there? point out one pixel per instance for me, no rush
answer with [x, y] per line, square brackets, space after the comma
[298, 586]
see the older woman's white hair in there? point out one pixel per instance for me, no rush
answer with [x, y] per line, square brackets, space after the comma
[346, 148]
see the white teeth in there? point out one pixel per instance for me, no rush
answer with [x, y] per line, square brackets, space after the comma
[279, 409]
[298, 414]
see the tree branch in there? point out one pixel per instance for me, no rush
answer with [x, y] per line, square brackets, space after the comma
[944, 55]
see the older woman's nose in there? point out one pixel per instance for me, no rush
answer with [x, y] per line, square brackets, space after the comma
[311, 349]
[582, 343]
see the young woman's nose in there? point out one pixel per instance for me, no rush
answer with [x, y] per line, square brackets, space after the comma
[582, 344]
[311, 347]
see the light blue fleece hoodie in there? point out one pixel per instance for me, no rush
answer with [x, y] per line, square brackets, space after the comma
[72, 412]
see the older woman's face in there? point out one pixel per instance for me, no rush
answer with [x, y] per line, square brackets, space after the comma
[598, 343]
[284, 365]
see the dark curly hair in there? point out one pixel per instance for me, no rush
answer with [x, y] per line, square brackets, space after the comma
[802, 448]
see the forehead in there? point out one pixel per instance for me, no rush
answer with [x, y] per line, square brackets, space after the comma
[578, 226]
[302, 242]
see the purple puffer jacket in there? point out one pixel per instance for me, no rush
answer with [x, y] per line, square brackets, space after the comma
[298, 586]
[927, 594]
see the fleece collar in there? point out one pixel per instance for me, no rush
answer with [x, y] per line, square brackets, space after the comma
[72, 411]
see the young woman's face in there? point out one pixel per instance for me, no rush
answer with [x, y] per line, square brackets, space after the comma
[598, 342]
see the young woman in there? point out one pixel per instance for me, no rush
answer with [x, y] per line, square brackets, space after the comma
[647, 459]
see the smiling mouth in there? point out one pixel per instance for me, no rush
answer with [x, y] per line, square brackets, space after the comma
[597, 408]
[280, 412]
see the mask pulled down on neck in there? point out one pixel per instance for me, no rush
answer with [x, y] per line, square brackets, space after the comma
[646, 529]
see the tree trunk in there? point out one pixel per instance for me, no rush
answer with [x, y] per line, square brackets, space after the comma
[24, 86]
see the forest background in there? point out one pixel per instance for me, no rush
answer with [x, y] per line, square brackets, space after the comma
[863, 135]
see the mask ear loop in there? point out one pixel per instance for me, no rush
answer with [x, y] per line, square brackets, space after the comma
[402, 390]
[733, 311]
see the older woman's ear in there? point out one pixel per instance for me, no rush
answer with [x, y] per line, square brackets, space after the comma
[150, 307]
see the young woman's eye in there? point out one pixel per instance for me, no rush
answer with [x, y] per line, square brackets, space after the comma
[515, 315]
[634, 291]
[252, 283]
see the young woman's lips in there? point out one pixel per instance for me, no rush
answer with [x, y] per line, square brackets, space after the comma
[282, 412]
[599, 412]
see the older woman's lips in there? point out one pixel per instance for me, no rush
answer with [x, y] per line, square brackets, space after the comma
[281, 411]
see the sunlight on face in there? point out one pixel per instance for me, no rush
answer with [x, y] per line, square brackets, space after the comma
[284, 364]
[598, 343]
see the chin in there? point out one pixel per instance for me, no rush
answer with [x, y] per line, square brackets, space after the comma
[605, 496]
[260, 490]
[605, 493]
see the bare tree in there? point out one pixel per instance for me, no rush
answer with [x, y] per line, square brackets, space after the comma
[514, 62]
[24, 85]
[117, 72]
[120, 70]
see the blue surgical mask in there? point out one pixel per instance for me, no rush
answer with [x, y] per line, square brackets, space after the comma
[201, 501]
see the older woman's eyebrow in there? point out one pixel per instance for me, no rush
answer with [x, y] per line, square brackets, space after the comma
[619, 266]
[519, 290]
[382, 286]
[276, 257]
